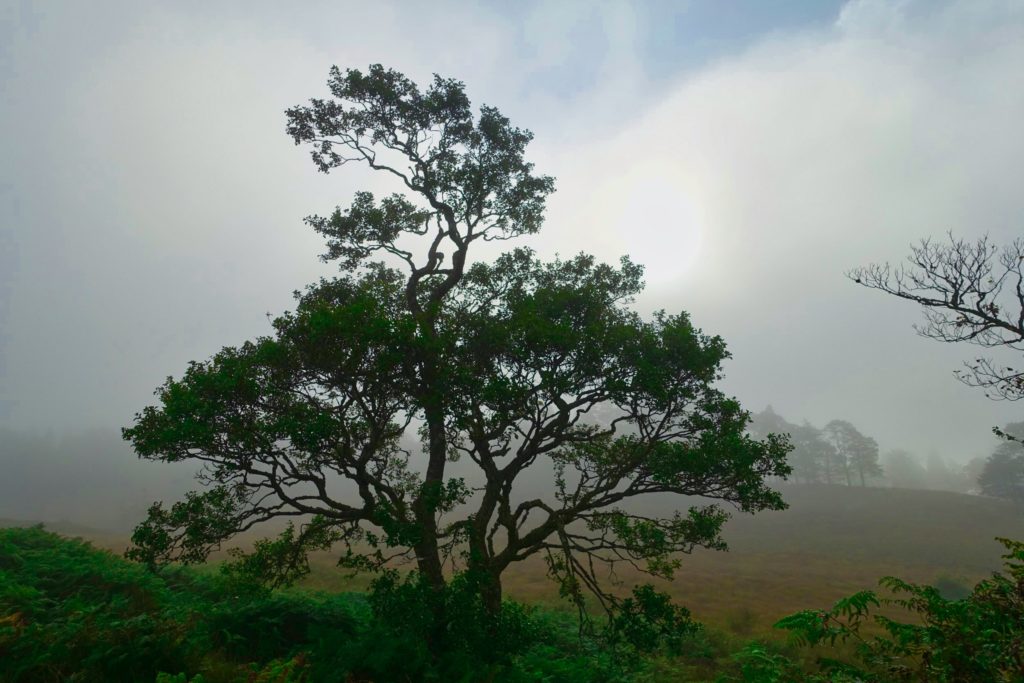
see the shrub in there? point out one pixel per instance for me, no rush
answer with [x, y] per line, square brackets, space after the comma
[977, 638]
[69, 611]
[67, 608]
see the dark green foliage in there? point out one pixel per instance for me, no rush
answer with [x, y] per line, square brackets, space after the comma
[764, 663]
[66, 608]
[412, 644]
[71, 612]
[977, 638]
[648, 621]
[260, 628]
[514, 366]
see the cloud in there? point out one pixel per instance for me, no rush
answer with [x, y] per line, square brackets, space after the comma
[159, 202]
[756, 182]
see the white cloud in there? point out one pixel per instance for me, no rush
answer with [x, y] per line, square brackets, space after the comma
[160, 201]
[778, 169]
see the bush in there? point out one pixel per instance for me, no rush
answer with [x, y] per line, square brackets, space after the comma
[404, 638]
[951, 588]
[741, 621]
[69, 611]
[977, 638]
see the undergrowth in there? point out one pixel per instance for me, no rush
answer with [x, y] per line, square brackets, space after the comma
[71, 612]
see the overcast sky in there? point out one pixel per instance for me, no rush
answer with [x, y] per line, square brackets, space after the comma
[748, 153]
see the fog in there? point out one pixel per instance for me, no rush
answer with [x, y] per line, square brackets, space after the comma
[151, 204]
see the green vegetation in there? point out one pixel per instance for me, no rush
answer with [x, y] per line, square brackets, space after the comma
[513, 365]
[979, 637]
[69, 611]
[516, 367]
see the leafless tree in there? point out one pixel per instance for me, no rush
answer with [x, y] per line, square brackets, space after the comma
[971, 292]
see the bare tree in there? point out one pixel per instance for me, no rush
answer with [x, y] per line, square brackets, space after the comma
[971, 292]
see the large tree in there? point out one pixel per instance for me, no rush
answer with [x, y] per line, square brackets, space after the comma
[503, 364]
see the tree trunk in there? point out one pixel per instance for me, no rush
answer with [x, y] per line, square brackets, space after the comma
[428, 556]
[490, 593]
[425, 505]
[485, 575]
[428, 562]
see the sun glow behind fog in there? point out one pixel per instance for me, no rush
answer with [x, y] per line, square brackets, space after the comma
[656, 222]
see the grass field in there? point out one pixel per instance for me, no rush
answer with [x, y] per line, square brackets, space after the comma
[831, 542]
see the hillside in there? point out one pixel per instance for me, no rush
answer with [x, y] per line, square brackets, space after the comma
[832, 541]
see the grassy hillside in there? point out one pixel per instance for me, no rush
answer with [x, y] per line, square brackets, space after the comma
[70, 611]
[832, 541]
[63, 603]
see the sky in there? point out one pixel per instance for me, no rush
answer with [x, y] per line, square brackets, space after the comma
[747, 153]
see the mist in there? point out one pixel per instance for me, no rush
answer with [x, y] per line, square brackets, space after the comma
[187, 378]
[152, 206]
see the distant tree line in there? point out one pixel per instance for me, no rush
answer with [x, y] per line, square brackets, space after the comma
[837, 454]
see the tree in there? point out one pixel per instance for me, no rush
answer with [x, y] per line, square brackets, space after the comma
[810, 450]
[835, 464]
[499, 363]
[1003, 472]
[971, 292]
[904, 470]
[768, 422]
[865, 459]
[854, 452]
[811, 453]
[974, 293]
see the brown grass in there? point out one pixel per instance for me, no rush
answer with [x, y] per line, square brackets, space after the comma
[833, 541]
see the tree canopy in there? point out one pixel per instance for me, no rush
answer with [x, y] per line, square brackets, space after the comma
[505, 364]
